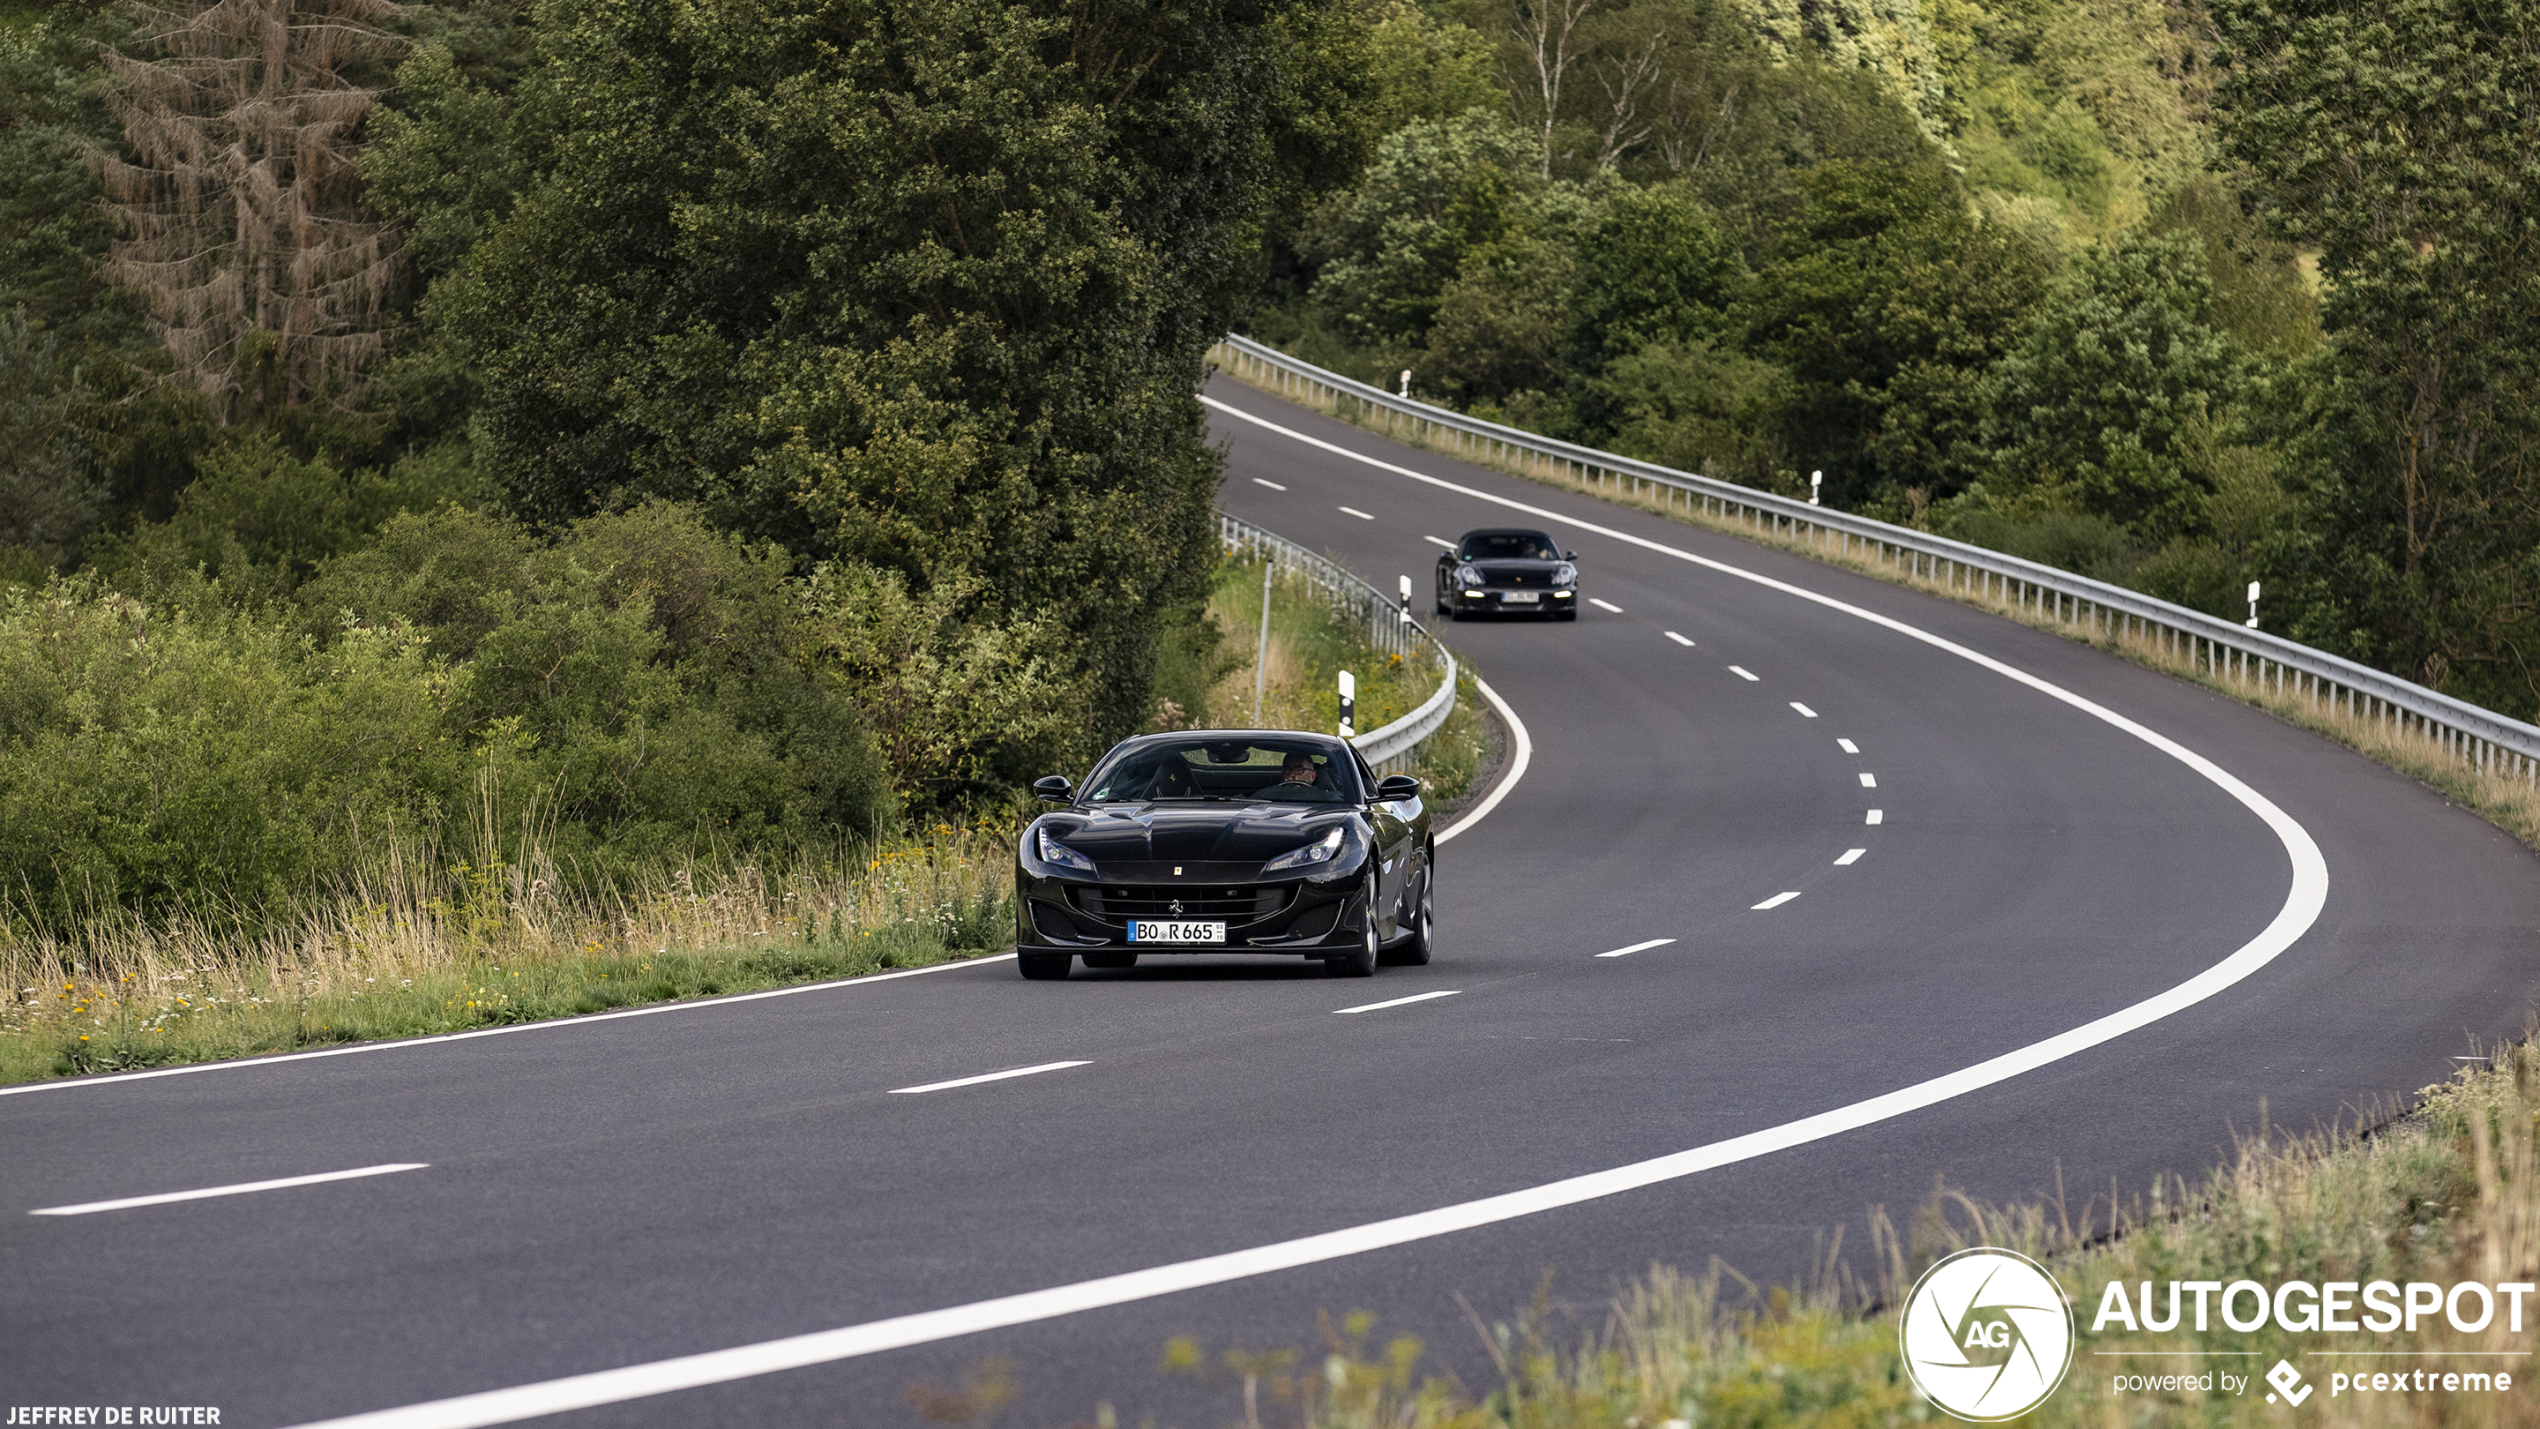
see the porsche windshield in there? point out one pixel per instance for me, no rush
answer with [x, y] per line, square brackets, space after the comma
[1509, 546]
[1296, 771]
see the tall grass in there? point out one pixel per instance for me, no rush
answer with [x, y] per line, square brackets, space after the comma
[415, 943]
[1309, 645]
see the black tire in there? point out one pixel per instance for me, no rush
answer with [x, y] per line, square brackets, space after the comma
[1111, 961]
[1363, 962]
[1044, 967]
[1571, 614]
[1422, 945]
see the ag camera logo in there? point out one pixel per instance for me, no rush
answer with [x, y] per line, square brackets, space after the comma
[1987, 1335]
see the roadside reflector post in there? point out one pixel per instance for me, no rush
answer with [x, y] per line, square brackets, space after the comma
[2253, 605]
[1815, 480]
[1406, 600]
[1406, 384]
[1349, 705]
[1261, 659]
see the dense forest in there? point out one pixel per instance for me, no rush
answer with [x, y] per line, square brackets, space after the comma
[762, 421]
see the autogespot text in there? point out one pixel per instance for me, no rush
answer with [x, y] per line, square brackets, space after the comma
[2334, 1307]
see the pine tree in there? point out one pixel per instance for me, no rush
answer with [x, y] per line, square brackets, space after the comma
[239, 201]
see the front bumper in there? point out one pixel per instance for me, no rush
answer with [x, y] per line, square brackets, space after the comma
[1497, 598]
[1298, 915]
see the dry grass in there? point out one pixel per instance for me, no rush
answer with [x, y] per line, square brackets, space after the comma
[415, 947]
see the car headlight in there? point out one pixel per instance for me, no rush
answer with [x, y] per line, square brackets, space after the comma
[1565, 574]
[1319, 851]
[1059, 855]
[1466, 575]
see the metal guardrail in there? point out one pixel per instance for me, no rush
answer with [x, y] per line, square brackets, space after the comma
[2480, 739]
[1389, 628]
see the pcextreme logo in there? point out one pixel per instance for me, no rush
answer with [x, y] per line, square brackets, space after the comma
[1987, 1335]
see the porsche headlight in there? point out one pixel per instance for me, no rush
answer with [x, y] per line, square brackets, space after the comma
[1059, 855]
[1565, 574]
[1466, 575]
[1319, 851]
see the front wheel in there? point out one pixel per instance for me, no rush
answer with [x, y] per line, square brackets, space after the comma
[1570, 614]
[1363, 962]
[1424, 938]
[1044, 967]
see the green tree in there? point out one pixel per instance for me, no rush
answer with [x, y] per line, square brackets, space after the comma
[48, 500]
[920, 285]
[2401, 139]
[2117, 367]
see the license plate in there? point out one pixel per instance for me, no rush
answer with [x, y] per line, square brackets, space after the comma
[1174, 930]
[1520, 597]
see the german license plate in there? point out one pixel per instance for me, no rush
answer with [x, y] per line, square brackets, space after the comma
[1174, 930]
[1520, 597]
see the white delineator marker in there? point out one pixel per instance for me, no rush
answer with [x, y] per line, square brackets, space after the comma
[1815, 480]
[1349, 705]
[2253, 605]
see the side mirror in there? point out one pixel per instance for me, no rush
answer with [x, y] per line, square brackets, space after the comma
[1569, 555]
[1396, 786]
[1053, 790]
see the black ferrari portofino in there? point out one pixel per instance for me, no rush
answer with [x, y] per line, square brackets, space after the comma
[1510, 571]
[1226, 841]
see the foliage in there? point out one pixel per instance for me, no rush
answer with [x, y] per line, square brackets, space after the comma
[53, 233]
[2400, 138]
[2115, 367]
[919, 286]
[48, 501]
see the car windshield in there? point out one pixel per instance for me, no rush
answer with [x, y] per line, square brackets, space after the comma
[1301, 771]
[1509, 546]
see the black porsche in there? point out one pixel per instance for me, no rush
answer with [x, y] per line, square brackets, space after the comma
[1226, 841]
[1511, 571]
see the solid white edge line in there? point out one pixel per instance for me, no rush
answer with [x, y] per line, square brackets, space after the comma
[1516, 764]
[1775, 901]
[1274, 486]
[1877, 816]
[1679, 639]
[1361, 515]
[1804, 711]
[1850, 857]
[1603, 605]
[241, 1189]
[584, 1020]
[1397, 1002]
[2307, 895]
[1637, 948]
[987, 1077]
[1434, 541]
[1743, 673]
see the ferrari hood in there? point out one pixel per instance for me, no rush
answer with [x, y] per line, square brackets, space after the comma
[1195, 833]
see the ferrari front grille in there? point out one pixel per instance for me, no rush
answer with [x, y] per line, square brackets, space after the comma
[1114, 903]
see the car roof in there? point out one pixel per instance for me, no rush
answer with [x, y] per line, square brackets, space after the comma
[1507, 531]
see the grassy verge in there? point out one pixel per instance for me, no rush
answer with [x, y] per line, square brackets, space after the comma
[2510, 804]
[1309, 645]
[410, 954]
[2448, 1193]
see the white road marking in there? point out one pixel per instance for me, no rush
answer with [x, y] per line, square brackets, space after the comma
[1397, 1002]
[1354, 511]
[1850, 855]
[1804, 711]
[1775, 901]
[242, 1188]
[1602, 605]
[1742, 672]
[1516, 766]
[1637, 948]
[987, 1077]
[585, 1020]
[1274, 486]
[1848, 746]
[1877, 816]
[1679, 639]
[1869, 780]
[1434, 541]
[2303, 901]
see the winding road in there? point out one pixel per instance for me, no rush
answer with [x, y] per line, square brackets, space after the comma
[1814, 889]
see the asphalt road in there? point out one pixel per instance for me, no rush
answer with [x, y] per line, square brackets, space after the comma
[618, 1193]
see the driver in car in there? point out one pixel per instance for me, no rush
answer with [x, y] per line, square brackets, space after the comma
[1298, 779]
